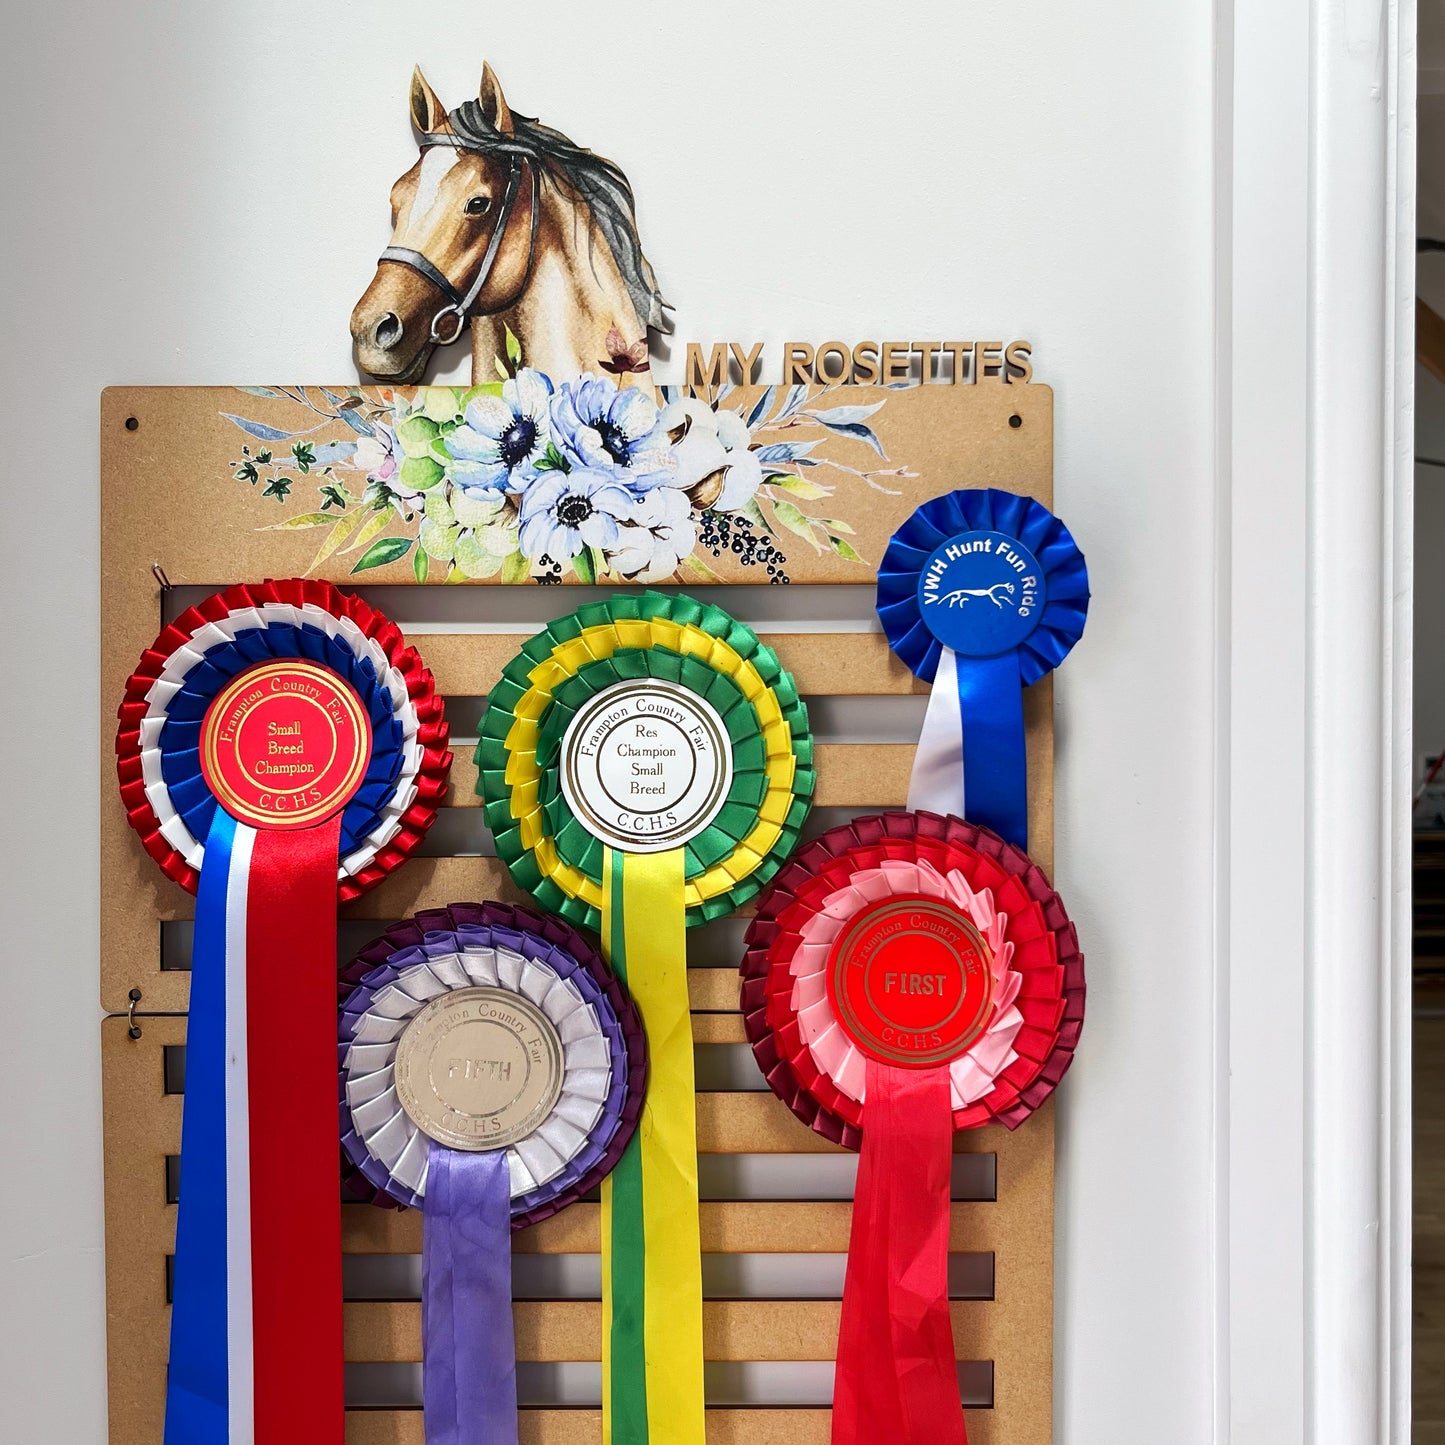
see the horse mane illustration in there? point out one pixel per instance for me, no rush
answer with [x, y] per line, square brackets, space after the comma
[960, 595]
[506, 224]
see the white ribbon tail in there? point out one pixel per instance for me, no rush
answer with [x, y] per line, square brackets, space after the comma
[937, 782]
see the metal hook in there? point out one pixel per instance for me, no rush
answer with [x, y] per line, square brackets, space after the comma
[133, 1031]
[159, 573]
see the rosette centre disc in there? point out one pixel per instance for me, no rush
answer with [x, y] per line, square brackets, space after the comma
[646, 765]
[479, 1068]
[285, 744]
[910, 981]
[982, 593]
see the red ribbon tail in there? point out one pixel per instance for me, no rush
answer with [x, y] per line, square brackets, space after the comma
[295, 1185]
[897, 1377]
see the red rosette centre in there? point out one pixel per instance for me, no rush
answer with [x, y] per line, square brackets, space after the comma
[285, 745]
[909, 979]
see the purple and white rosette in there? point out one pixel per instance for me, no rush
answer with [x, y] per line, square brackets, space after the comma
[471, 1198]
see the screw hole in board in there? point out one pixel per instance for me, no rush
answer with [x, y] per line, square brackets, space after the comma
[1016, 421]
[131, 423]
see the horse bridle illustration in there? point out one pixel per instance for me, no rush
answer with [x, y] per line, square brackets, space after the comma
[459, 303]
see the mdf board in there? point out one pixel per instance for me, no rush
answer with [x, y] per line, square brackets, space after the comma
[775, 1208]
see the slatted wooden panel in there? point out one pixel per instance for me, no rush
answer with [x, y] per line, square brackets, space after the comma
[163, 501]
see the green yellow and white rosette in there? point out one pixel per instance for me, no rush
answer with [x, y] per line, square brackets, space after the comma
[647, 765]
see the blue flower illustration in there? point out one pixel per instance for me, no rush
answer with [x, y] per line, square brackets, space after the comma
[503, 438]
[563, 512]
[597, 425]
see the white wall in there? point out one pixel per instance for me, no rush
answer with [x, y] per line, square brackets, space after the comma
[195, 194]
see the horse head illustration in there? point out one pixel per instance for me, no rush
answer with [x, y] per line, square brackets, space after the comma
[505, 223]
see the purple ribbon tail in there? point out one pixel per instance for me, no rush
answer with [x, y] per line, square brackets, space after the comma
[469, 1354]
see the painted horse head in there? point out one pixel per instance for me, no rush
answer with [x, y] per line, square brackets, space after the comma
[506, 223]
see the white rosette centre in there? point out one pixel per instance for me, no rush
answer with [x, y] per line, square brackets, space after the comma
[389, 1133]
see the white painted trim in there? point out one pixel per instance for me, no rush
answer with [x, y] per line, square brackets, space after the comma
[1314, 304]
[1358, 961]
[1397, 864]
[1262, 200]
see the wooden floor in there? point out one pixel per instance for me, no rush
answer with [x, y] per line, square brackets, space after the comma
[1430, 1218]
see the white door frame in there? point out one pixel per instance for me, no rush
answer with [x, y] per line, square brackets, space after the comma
[1315, 181]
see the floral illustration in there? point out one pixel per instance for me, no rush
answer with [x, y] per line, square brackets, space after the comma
[527, 478]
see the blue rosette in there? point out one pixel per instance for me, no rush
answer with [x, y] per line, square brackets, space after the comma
[981, 592]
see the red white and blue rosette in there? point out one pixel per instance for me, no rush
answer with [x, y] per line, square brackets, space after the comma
[908, 975]
[161, 783]
[473, 1196]
[981, 592]
[280, 748]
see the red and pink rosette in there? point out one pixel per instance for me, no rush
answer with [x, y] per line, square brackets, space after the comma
[908, 975]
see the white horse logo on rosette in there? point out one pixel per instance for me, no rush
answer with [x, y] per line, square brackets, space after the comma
[961, 595]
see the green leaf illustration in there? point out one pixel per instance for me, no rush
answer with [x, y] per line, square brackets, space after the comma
[844, 550]
[474, 559]
[754, 514]
[514, 350]
[297, 524]
[791, 518]
[416, 434]
[438, 541]
[344, 527]
[500, 541]
[375, 524]
[585, 566]
[516, 568]
[808, 491]
[439, 509]
[440, 403]
[420, 474]
[420, 565]
[379, 554]
[552, 460]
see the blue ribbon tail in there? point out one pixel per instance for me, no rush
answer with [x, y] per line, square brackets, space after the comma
[469, 1353]
[995, 763]
[198, 1378]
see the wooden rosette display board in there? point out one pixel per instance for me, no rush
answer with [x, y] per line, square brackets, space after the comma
[204, 488]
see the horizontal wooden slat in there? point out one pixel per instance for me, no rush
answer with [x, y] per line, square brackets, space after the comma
[822, 663]
[850, 775]
[718, 1028]
[727, 1123]
[731, 1227]
[712, 990]
[584, 1427]
[572, 1329]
